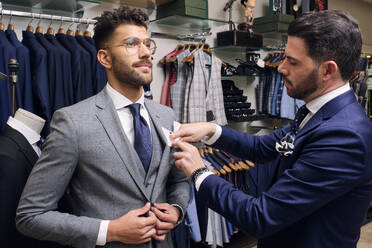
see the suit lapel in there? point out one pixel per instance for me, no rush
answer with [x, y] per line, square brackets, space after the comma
[109, 119]
[324, 113]
[327, 111]
[22, 144]
[156, 120]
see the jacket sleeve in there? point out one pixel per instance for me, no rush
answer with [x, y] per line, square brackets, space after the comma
[330, 163]
[36, 214]
[247, 146]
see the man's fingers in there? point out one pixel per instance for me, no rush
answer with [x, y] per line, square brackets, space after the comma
[143, 210]
[164, 226]
[159, 237]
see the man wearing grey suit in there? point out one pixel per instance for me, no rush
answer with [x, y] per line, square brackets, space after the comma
[93, 150]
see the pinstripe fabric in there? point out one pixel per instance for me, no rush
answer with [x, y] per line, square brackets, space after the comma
[177, 90]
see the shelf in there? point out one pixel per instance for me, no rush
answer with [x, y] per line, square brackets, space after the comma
[71, 7]
[238, 76]
[188, 23]
[233, 49]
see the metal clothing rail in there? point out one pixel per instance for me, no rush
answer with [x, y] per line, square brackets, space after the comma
[45, 16]
[188, 37]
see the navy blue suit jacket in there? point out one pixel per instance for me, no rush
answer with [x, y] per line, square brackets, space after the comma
[99, 80]
[80, 66]
[39, 78]
[56, 90]
[8, 51]
[323, 189]
[23, 87]
[65, 68]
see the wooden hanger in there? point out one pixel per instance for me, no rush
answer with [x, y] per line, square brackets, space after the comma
[61, 30]
[207, 48]
[87, 33]
[39, 29]
[29, 27]
[201, 151]
[10, 25]
[69, 30]
[50, 29]
[78, 32]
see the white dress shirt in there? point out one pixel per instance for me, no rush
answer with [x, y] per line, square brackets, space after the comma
[126, 119]
[31, 136]
[313, 107]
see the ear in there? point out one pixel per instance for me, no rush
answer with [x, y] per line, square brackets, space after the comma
[104, 57]
[328, 70]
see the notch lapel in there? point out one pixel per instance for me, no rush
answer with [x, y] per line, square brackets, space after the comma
[107, 116]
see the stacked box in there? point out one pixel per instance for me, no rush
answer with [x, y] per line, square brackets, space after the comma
[194, 8]
[272, 23]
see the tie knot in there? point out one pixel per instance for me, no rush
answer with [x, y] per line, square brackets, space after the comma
[135, 109]
[300, 116]
[301, 113]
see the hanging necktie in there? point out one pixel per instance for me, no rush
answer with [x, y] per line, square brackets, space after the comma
[142, 136]
[300, 115]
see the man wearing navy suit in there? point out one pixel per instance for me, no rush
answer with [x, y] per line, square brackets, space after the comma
[322, 186]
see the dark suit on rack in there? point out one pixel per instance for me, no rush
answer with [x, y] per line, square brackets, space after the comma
[98, 80]
[65, 58]
[24, 86]
[80, 66]
[39, 78]
[101, 71]
[17, 157]
[8, 52]
[322, 191]
[56, 95]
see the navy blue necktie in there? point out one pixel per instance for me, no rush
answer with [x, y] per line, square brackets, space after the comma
[300, 115]
[142, 136]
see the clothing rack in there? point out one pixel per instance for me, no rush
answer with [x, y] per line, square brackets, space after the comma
[197, 37]
[45, 16]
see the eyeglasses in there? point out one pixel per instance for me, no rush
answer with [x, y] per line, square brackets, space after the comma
[133, 44]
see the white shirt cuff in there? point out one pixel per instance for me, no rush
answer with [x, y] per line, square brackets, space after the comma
[214, 138]
[201, 178]
[102, 233]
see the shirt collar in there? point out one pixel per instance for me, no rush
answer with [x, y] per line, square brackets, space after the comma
[119, 100]
[315, 104]
[31, 136]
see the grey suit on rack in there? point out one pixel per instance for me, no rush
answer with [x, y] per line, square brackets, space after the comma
[88, 152]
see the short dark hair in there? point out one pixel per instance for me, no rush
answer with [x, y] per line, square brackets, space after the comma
[330, 35]
[110, 20]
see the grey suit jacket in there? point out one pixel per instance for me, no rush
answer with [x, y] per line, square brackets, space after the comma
[88, 152]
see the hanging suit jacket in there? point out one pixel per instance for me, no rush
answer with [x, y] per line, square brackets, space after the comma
[39, 78]
[177, 90]
[65, 57]
[80, 66]
[8, 52]
[56, 91]
[101, 71]
[323, 190]
[24, 86]
[98, 79]
[17, 157]
[88, 150]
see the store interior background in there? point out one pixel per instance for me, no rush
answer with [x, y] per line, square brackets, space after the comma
[360, 9]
